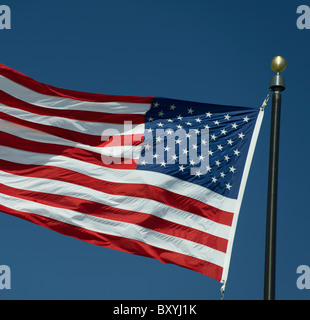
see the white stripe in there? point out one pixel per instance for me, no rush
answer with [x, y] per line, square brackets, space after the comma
[142, 205]
[129, 152]
[121, 176]
[20, 92]
[119, 152]
[116, 228]
[92, 128]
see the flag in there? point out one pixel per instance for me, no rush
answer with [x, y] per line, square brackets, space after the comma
[157, 177]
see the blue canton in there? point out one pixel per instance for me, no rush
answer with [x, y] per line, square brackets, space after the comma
[210, 148]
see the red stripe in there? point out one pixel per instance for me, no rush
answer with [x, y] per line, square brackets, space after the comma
[12, 141]
[82, 115]
[122, 140]
[144, 220]
[56, 131]
[84, 138]
[127, 189]
[122, 244]
[64, 93]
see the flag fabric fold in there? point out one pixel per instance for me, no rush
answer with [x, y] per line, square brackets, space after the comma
[161, 178]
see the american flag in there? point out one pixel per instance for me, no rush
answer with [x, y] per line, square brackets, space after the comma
[150, 176]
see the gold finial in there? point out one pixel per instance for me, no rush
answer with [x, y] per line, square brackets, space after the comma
[278, 64]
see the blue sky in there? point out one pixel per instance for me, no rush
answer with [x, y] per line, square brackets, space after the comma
[208, 51]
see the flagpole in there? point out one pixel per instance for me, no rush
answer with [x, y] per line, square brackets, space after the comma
[277, 85]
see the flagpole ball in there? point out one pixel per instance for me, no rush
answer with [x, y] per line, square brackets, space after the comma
[277, 83]
[278, 64]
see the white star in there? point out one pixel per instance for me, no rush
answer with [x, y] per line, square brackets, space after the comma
[170, 120]
[223, 131]
[230, 142]
[218, 163]
[241, 135]
[236, 152]
[190, 111]
[227, 117]
[204, 142]
[201, 157]
[156, 104]
[179, 126]
[214, 179]
[194, 146]
[169, 131]
[163, 164]
[160, 124]
[226, 158]
[143, 163]
[161, 113]
[216, 122]
[234, 125]
[207, 127]
[150, 119]
[181, 168]
[178, 141]
[219, 147]
[172, 107]
[185, 151]
[228, 186]
[150, 130]
[180, 117]
[167, 148]
[192, 162]
[209, 114]
[213, 137]
[198, 120]
[187, 135]
[198, 173]
[147, 147]
[155, 155]
[189, 123]
[210, 152]
[222, 174]
[174, 157]
[158, 139]
[197, 131]
[208, 168]
[246, 119]
[232, 169]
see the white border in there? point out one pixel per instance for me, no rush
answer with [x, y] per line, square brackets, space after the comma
[240, 195]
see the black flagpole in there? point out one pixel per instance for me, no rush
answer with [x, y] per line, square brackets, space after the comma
[277, 85]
